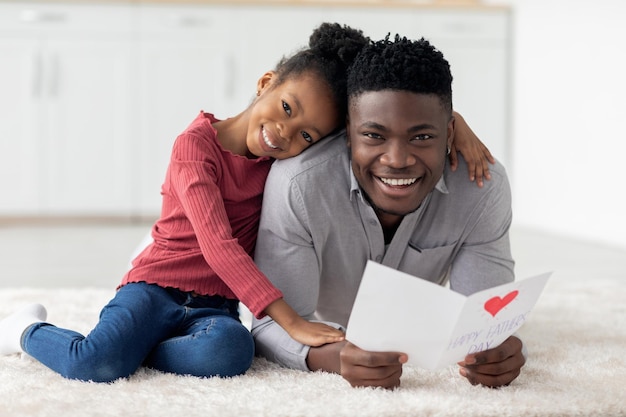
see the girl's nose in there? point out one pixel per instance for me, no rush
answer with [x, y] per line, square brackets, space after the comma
[284, 131]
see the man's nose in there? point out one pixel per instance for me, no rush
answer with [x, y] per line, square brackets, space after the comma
[397, 155]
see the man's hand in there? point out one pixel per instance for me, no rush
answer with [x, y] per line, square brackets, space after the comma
[494, 367]
[371, 369]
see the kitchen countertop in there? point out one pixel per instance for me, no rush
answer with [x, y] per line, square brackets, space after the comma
[473, 4]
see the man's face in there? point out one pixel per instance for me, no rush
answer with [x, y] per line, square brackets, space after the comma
[398, 143]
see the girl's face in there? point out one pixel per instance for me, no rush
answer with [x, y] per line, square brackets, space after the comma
[289, 117]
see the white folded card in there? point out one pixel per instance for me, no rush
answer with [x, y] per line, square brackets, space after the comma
[433, 325]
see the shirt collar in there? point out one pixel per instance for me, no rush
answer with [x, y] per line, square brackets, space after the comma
[354, 184]
[441, 185]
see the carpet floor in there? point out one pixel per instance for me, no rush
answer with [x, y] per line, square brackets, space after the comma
[576, 338]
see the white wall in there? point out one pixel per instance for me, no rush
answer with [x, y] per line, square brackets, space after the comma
[569, 136]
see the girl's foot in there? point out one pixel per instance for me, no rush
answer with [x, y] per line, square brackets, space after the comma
[13, 326]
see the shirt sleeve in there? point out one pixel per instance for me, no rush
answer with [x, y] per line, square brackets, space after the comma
[484, 259]
[193, 179]
[285, 253]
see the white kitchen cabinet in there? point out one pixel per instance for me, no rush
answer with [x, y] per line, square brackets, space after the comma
[279, 31]
[93, 95]
[189, 59]
[88, 128]
[66, 101]
[20, 172]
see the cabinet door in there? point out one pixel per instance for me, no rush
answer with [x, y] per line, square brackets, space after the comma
[477, 46]
[187, 62]
[88, 124]
[65, 82]
[20, 86]
[282, 32]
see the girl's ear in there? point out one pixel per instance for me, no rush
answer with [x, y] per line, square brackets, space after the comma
[265, 81]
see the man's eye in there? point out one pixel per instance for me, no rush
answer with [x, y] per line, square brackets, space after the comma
[306, 136]
[287, 108]
[423, 136]
[372, 135]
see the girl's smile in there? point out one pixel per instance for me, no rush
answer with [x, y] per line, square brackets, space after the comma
[267, 140]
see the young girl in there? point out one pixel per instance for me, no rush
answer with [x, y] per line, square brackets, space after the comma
[176, 310]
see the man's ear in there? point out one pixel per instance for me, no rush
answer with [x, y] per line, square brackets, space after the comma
[451, 130]
[265, 81]
[348, 131]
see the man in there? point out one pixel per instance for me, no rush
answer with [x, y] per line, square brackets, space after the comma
[389, 196]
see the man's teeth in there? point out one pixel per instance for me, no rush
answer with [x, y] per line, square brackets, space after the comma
[267, 140]
[398, 181]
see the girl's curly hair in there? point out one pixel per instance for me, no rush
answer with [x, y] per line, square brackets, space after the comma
[332, 50]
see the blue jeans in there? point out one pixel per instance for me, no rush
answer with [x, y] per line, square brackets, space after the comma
[164, 329]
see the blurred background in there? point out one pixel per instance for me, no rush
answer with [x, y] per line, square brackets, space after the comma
[567, 138]
[93, 93]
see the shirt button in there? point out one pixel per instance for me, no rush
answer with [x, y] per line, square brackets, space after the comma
[379, 258]
[373, 222]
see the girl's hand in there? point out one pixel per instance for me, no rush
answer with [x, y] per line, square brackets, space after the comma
[304, 331]
[315, 334]
[475, 153]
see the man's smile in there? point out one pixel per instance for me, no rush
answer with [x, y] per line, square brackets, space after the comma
[397, 181]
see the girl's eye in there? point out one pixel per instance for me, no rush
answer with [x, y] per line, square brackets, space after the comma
[306, 136]
[287, 108]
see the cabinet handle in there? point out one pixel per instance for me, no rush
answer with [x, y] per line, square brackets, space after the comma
[39, 16]
[53, 76]
[188, 21]
[37, 74]
[459, 27]
[229, 85]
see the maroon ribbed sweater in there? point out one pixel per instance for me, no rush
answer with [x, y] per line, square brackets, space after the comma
[205, 237]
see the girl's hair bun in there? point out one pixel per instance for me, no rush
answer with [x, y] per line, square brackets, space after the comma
[331, 52]
[337, 42]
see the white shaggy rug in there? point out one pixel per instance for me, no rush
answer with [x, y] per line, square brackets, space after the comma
[576, 337]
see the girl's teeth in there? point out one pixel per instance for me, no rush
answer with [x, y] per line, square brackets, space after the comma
[266, 139]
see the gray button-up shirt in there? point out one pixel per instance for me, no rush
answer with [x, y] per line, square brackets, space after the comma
[317, 232]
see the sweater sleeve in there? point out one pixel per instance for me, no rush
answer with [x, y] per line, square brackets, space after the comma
[193, 179]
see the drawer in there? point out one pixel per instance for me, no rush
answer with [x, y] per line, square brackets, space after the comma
[212, 22]
[61, 18]
[429, 22]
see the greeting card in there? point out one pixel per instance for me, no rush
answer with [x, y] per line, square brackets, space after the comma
[434, 325]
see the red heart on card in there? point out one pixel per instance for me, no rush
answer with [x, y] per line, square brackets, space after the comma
[495, 304]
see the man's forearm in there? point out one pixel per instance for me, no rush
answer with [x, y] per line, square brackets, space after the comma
[325, 357]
